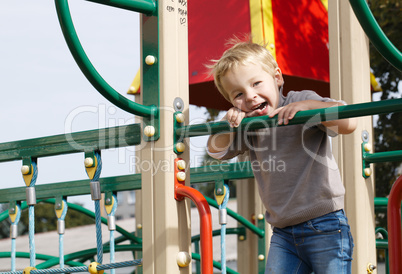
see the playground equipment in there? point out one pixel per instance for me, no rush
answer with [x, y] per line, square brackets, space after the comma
[165, 242]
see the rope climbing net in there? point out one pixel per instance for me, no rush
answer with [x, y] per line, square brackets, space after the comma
[93, 166]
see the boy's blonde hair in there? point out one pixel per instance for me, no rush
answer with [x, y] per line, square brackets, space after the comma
[241, 53]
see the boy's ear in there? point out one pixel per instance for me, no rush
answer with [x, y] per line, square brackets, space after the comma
[278, 77]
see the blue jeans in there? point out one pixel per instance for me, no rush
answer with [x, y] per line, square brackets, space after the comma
[321, 245]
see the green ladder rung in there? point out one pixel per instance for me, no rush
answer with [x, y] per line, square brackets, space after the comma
[231, 171]
[120, 136]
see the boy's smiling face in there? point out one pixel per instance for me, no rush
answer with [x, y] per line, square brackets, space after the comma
[252, 89]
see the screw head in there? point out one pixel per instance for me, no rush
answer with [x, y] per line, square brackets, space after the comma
[181, 164]
[88, 162]
[367, 171]
[25, 169]
[183, 259]
[181, 176]
[180, 147]
[149, 131]
[150, 60]
[180, 117]
[367, 147]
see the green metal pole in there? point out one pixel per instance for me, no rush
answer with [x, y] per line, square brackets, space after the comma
[307, 116]
[380, 202]
[147, 7]
[375, 33]
[388, 156]
[67, 26]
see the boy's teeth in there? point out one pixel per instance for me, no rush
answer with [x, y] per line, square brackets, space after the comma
[261, 106]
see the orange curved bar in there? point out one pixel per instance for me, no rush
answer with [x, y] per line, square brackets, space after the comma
[204, 210]
[394, 227]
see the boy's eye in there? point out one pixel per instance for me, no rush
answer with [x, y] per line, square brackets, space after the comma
[238, 95]
[256, 83]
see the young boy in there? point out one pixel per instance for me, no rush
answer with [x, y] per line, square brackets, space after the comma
[303, 195]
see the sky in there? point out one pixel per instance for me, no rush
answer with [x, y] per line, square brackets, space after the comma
[44, 92]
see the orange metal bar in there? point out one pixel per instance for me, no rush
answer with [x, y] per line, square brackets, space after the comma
[394, 227]
[182, 191]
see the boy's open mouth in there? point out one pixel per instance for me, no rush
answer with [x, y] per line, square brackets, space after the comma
[262, 106]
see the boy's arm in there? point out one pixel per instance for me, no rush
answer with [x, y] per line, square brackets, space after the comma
[286, 113]
[221, 142]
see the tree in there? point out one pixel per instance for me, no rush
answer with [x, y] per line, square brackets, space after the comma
[387, 130]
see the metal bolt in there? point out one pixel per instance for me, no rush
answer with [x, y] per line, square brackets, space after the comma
[181, 176]
[183, 259]
[149, 131]
[180, 147]
[25, 169]
[367, 171]
[180, 117]
[181, 164]
[150, 60]
[367, 147]
[88, 162]
[219, 191]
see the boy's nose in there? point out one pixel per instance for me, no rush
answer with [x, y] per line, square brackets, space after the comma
[251, 96]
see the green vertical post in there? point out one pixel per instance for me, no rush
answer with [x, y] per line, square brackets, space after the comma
[150, 73]
[262, 260]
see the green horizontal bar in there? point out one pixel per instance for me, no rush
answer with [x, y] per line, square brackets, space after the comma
[259, 232]
[375, 33]
[73, 188]
[39, 256]
[121, 136]
[147, 7]
[229, 231]
[125, 182]
[82, 253]
[381, 244]
[380, 202]
[307, 116]
[388, 156]
[93, 76]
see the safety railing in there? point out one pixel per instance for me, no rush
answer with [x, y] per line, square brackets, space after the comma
[375, 33]
[307, 116]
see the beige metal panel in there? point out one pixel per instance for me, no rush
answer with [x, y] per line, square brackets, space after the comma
[249, 205]
[166, 222]
[349, 74]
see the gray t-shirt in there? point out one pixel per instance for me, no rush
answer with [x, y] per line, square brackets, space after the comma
[297, 175]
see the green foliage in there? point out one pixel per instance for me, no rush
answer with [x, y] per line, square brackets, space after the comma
[388, 130]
